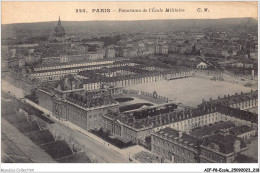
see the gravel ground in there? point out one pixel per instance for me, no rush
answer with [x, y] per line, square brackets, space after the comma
[191, 91]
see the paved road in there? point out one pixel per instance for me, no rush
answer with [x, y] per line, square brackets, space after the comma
[97, 148]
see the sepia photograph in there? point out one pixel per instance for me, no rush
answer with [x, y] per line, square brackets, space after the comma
[162, 83]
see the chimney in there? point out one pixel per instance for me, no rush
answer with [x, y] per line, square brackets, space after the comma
[236, 146]
[241, 92]
[210, 99]
[218, 97]
[251, 90]
[228, 95]
[180, 134]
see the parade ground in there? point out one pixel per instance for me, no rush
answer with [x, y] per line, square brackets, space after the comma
[191, 91]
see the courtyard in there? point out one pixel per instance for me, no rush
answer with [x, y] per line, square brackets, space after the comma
[190, 91]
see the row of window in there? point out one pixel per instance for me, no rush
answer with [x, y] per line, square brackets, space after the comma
[41, 75]
[170, 154]
[212, 156]
[73, 65]
[186, 124]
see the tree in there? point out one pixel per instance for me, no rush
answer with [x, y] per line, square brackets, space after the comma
[33, 96]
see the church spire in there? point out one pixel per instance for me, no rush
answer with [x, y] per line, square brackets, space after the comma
[59, 22]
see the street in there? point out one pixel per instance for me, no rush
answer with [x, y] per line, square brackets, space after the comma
[100, 150]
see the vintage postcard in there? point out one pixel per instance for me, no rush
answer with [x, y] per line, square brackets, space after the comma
[129, 82]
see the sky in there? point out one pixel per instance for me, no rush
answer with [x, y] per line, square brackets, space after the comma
[29, 12]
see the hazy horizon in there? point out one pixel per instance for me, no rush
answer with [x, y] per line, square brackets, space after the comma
[34, 12]
[128, 20]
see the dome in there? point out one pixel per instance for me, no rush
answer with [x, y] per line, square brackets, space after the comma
[59, 30]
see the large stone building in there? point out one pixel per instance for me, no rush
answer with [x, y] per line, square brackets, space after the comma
[110, 53]
[180, 147]
[56, 71]
[131, 78]
[135, 126]
[240, 101]
[220, 141]
[69, 102]
[59, 32]
[221, 148]
[130, 128]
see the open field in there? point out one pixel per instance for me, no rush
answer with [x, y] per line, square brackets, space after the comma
[191, 91]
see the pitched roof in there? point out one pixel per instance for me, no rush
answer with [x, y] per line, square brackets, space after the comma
[222, 143]
[240, 129]
[184, 139]
[209, 130]
[237, 98]
[237, 113]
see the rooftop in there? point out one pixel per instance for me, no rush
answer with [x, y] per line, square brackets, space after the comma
[155, 118]
[209, 130]
[240, 130]
[79, 62]
[237, 98]
[180, 137]
[237, 113]
[91, 99]
[223, 143]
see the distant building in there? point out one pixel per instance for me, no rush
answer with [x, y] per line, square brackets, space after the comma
[59, 32]
[164, 50]
[110, 53]
[160, 49]
[55, 70]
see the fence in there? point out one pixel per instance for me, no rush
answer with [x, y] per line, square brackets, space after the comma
[147, 94]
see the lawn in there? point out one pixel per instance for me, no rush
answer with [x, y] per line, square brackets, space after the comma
[190, 91]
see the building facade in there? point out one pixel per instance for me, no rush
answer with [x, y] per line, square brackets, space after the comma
[179, 147]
